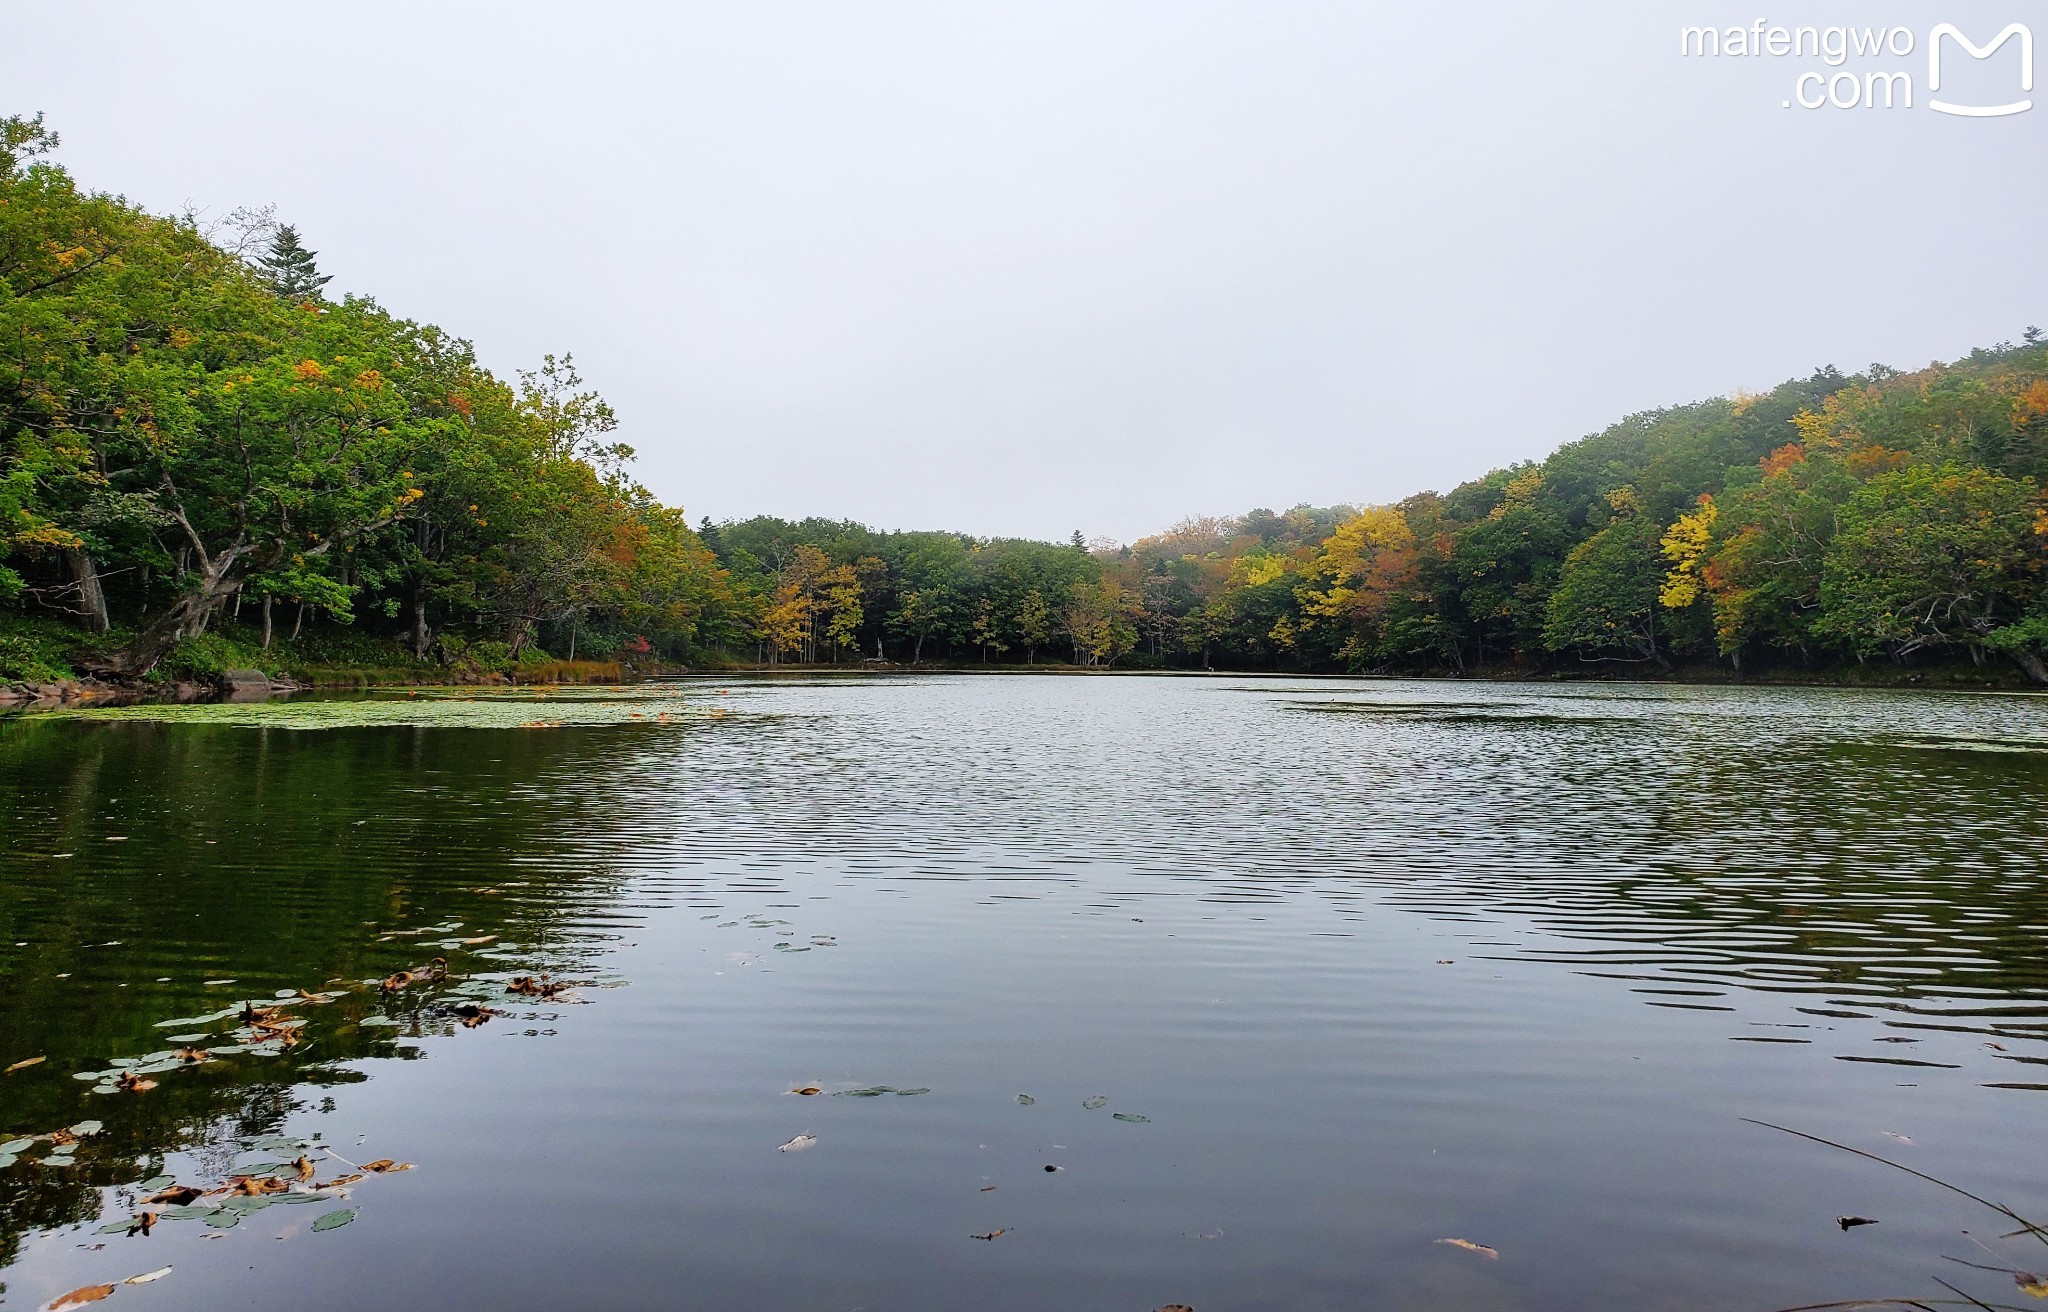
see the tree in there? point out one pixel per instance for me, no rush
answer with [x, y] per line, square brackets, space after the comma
[1605, 603]
[1102, 622]
[1034, 624]
[1931, 557]
[290, 269]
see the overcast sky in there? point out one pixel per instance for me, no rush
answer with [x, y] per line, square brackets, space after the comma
[1026, 268]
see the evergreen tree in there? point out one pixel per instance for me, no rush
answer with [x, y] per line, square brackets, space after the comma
[290, 267]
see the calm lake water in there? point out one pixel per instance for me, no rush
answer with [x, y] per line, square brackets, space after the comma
[1290, 981]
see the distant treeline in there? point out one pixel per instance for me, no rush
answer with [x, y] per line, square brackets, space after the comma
[192, 431]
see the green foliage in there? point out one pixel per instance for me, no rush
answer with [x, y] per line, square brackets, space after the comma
[182, 432]
[1930, 557]
[1605, 602]
[206, 449]
[290, 267]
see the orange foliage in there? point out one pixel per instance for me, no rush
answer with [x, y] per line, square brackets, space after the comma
[1786, 456]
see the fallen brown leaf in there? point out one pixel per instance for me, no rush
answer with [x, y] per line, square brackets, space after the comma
[192, 1055]
[990, 1235]
[338, 1181]
[808, 1091]
[81, 1296]
[255, 1186]
[24, 1064]
[130, 1082]
[1490, 1254]
[176, 1196]
[305, 1167]
[1846, 1222]
[384, 1165]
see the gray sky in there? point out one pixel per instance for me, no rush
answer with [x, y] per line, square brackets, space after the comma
[1025, 268]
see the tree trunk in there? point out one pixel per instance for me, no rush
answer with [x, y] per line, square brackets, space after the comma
[917, 652]
[186, 618]
[2030, 661]
[92, 600]
[572, 641]
[266, 621]
[299, 621]
[422, 636]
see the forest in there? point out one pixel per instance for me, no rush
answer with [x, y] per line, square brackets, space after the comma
[208, 460]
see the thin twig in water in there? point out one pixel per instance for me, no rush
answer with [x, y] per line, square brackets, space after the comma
[1975, 1302]
[339, 1158]
[2026, 1226]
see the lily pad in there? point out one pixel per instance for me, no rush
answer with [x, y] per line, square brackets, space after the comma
[334, 1220]
[188, 1213]
[84, 1128]
[156, 1182]
[1095, 1104]
[13, 1146]
[910, 1093]
[870, 1091]
[1026, 1100]
[1132, 1117]
[7, 1160]
[223, 1218]
[57, 1160]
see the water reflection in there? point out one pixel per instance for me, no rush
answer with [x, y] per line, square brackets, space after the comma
[1246, 912]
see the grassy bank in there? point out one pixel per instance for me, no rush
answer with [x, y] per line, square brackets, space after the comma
[40, 651]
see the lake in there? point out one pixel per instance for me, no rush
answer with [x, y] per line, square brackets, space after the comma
[1233, 993]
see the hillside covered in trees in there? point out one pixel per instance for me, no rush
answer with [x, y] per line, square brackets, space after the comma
[205, 459]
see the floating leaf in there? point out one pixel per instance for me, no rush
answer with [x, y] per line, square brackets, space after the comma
[85, 1128]
[177, 1195]
[798, 1144]
[910, 1093]
[16, 1145]
[1131, 1117]
[7, 1160]
[334, 1220]
[81, 1296]
[57, 1160]
[869, 1091]
[2030, 1283]
[24, 1064]
[1846, 1222]
[221, 1218]
[184, 1213]
[993, 1234]
[156, 1182]
[1490, 1254]
[384, 1165]
[147, 1276]
[808, 1091]
[1095, 1104]
[1025, 1100]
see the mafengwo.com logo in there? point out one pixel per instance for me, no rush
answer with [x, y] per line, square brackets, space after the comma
[1874, 67]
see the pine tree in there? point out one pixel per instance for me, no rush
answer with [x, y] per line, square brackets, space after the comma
[290, 267]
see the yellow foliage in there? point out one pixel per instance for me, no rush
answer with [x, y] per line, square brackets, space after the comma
[1685, 544]
[1253, 571]
[309, 369]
